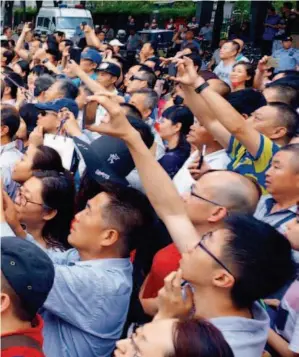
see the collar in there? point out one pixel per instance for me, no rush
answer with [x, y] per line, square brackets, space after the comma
[109, 262]
[7, 147]
[270, 202]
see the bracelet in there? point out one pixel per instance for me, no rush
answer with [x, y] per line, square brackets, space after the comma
[200, 88]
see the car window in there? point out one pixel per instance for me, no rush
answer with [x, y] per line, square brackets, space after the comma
[46, 22]
[40, 21]
[54, 20]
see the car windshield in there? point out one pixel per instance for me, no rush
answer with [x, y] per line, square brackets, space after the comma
[72, 22]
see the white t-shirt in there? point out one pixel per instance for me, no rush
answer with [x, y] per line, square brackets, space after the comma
[223, 72]
[217, 160]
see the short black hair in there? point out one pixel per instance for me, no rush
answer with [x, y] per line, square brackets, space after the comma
[39, 70]
[149, 77]
[260, 258]
[286, 94]
[54, 53]
[10, 117]
[9, 55]
[294, 149]
[68, 42]
[287, 117]
[247, 100]
[11, 80]
[69, 89]
[197, 61]
[235, 45]
[131, 110]
[59, 33]
[144, 130]
[2, 88]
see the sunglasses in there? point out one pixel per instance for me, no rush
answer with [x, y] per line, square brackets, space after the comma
[297, 212]
[202, 245]
[204, 199]
[43, 113]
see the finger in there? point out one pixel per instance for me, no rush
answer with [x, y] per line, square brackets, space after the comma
[168, 281]
[112, 107]
[176, 282]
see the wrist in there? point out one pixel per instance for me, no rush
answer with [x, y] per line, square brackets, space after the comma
[131, 136]
[198, 82]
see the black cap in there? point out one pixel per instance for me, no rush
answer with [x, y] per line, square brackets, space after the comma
[111, 68]
[28, 270]
[287, 38]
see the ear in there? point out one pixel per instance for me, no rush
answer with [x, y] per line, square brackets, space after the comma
[177, 127]
[246, 116]
[109, 237]
[7, 90]
[5, 302]
[147, 113]
[218, 214]
[50, 215]
[222, 279]
[4, 130]
[279, 133]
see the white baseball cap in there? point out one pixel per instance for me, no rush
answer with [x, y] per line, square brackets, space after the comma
[116, 42]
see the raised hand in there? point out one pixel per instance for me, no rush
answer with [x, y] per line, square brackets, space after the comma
[118, 125]
[36, 138]
[27, 27]
[262, 64]
[73, 67]
[171, 302]
[125, 348]
[186, 74]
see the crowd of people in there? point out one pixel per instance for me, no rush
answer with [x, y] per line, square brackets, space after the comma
[147, 209]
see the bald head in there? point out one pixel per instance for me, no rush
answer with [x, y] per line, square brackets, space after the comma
[234, 191]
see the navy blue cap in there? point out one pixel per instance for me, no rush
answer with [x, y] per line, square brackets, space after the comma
[111, 68]
[58, 104]
[28, 270]
[287, 38]
[92, 55]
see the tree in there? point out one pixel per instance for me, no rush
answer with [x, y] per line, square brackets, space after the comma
[39, 4]
[218, 23]
[8, 13]
[23, 5]
[83, 3]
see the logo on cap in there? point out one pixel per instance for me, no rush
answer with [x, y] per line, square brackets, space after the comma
[104, 65]
[102, 174]
[112, 158]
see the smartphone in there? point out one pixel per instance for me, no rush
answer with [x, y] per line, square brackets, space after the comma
[172, 70]
[202, 155]
[272, 62]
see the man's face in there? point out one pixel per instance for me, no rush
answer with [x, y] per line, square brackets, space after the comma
[53, 92]
[282, 178]
[147, 50]
[87, 65]
[199, 136]
[198, 266]
[227, 51]
[130, 73]
[138, 100]
[89, 226]
[48, 119]
[101, 36]
[264, 121]
[286, 44]
[189, 35]
[136, 82]
[105, 79]
[8, 33]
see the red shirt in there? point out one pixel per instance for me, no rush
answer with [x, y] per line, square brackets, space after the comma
[35, 333]
[165, 261]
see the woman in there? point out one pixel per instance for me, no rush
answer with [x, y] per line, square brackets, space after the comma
[44, 205]
[174, 126]
[36, 159]
[174, 338]
[22, 68]
[242, 76]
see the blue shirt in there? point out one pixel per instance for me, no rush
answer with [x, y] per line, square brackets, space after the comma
[86, 309]
[77, 81]
[194, 43]
[270, 32]
[287, 59]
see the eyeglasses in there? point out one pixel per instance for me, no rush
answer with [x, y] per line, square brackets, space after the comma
[134, 78]
[203, 247]
[204, 199]
[24, 200]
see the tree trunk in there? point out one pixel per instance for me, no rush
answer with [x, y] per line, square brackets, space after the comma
[8, 13]
[218, 24]
[39, 4]
[258, 14]
[23, 5]
[83, 3]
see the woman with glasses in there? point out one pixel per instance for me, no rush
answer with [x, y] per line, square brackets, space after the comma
[173, 128]
[44, 207]
[174, 338]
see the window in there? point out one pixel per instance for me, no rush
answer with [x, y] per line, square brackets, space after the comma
[72, 22]
[54, 21]
[46, 22]
[40, 21]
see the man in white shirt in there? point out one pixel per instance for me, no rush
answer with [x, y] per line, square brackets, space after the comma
[240, 57]
[216, 157]
[228, 53]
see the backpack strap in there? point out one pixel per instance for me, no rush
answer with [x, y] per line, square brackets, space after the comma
[20, 341]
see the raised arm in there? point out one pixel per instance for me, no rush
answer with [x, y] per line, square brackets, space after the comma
[166, 201]
[91, 38]
[258, 81]
[19, 49]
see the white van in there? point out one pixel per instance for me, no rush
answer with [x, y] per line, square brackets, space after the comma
[50, 19]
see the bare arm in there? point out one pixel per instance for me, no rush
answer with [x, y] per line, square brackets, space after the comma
[20, 43]
[167, 202]
[280, 345]
[91, 38]
[258, 81]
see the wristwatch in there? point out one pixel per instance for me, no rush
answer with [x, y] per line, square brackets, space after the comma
[200, 88]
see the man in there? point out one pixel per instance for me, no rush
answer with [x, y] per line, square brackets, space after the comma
[292, 22]
[215, 157]
[89, 61]
[207, 33]
[132, 70]
[62, 88]
[86, 309]
[216, 55]
[100, 35]
[133, 40]
[282, 178]
[59, 36]
[251, 144]
[229, 268]
[274, 92]
[189, 39]
[240, 57]
[48, 117]
[228, 53]
[41, 85]
[148, 51]
[7, 31]
[140, 80]
[9, 154]
[193, 24]
[287, 57]
[271, 27]
[27, 276]
[6, 56]
[10, 91]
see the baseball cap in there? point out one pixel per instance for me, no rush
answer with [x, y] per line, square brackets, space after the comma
[116, 42]
[58, 104]
[92, 55]
[111, 68]
[28, 270]
[287, 38]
